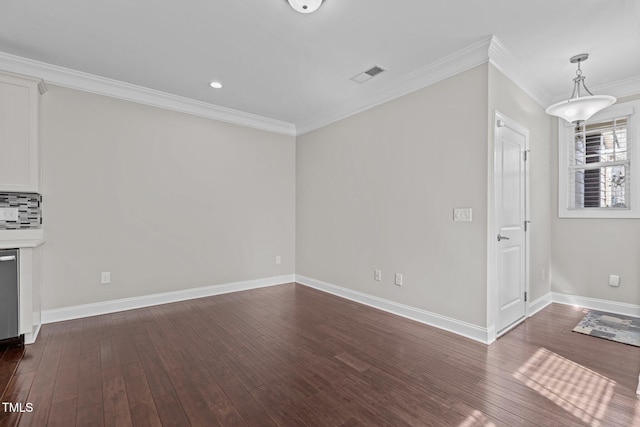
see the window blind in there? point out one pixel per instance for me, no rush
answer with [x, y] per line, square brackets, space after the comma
[599, 165]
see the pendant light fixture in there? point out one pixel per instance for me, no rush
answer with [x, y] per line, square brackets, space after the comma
[305, 6]
[580, 107]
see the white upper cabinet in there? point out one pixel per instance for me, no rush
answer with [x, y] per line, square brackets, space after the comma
[19, 134]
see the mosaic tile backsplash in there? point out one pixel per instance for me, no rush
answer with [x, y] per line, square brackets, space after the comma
[29, 210]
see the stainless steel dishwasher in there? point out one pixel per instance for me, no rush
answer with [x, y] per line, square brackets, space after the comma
[8, 293]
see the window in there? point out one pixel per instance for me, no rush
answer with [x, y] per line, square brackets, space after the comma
[596, 162]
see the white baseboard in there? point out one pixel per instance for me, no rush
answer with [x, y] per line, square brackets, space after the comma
[597, 304]
[31, 338]
[540, 303]
[106, 307]
[468, 330]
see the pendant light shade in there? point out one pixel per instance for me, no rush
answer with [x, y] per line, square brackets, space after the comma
[305, 6]
[580, 107]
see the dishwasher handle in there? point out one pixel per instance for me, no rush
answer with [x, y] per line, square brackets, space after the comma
[7, 258]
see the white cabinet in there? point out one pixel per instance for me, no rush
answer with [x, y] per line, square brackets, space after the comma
[19, 133]
[29, 283]
[29, 293]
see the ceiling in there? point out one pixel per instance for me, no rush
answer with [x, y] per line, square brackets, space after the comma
[297, 68]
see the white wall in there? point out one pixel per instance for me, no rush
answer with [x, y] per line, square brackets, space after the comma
[586, 251]
[164, 201]
[507, 98]
[167, 201]
[377, 190]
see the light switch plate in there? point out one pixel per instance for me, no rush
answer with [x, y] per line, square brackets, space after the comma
[9, 214]
[462, 214]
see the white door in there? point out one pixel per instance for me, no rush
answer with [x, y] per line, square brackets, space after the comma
[510, 216]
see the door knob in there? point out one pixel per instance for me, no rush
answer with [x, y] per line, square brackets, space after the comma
[500, 237]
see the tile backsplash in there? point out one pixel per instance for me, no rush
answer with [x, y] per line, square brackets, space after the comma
[29, 215]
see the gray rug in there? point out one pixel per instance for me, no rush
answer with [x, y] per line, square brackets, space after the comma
[614, 327]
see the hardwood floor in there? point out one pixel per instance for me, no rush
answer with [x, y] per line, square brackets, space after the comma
[9, 359]
[292, 356]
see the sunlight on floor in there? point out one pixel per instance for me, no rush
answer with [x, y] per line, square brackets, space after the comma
[583, 393]
[477, 419]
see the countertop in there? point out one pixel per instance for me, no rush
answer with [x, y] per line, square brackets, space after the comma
[10, 239]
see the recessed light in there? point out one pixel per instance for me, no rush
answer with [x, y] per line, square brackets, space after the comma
[216, 85]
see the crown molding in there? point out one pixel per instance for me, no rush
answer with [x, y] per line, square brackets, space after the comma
[619, 89]
[458, 62]
[504, 61]
[508, 65]
[73, 79]
[489, 49]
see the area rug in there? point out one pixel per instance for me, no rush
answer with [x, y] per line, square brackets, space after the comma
[614, 327]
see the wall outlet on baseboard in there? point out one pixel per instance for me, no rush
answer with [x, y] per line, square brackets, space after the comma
[278, 260]
[614, 280]
[105, 277]
[377, 275]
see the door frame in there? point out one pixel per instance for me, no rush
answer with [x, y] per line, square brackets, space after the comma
[493, 302]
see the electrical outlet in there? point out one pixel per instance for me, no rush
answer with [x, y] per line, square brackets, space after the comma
[398, 279]
[614, 280]
[105, 277]
[278, 260]
[9, 214]
[377, 275]
[543, 276]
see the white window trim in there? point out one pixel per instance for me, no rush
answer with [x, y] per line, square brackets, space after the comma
[565, 135]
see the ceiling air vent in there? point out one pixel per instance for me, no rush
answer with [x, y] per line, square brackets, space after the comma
[370, 73]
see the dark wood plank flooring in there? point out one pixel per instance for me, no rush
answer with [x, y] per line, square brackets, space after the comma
[9, 359]
[292, 356]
